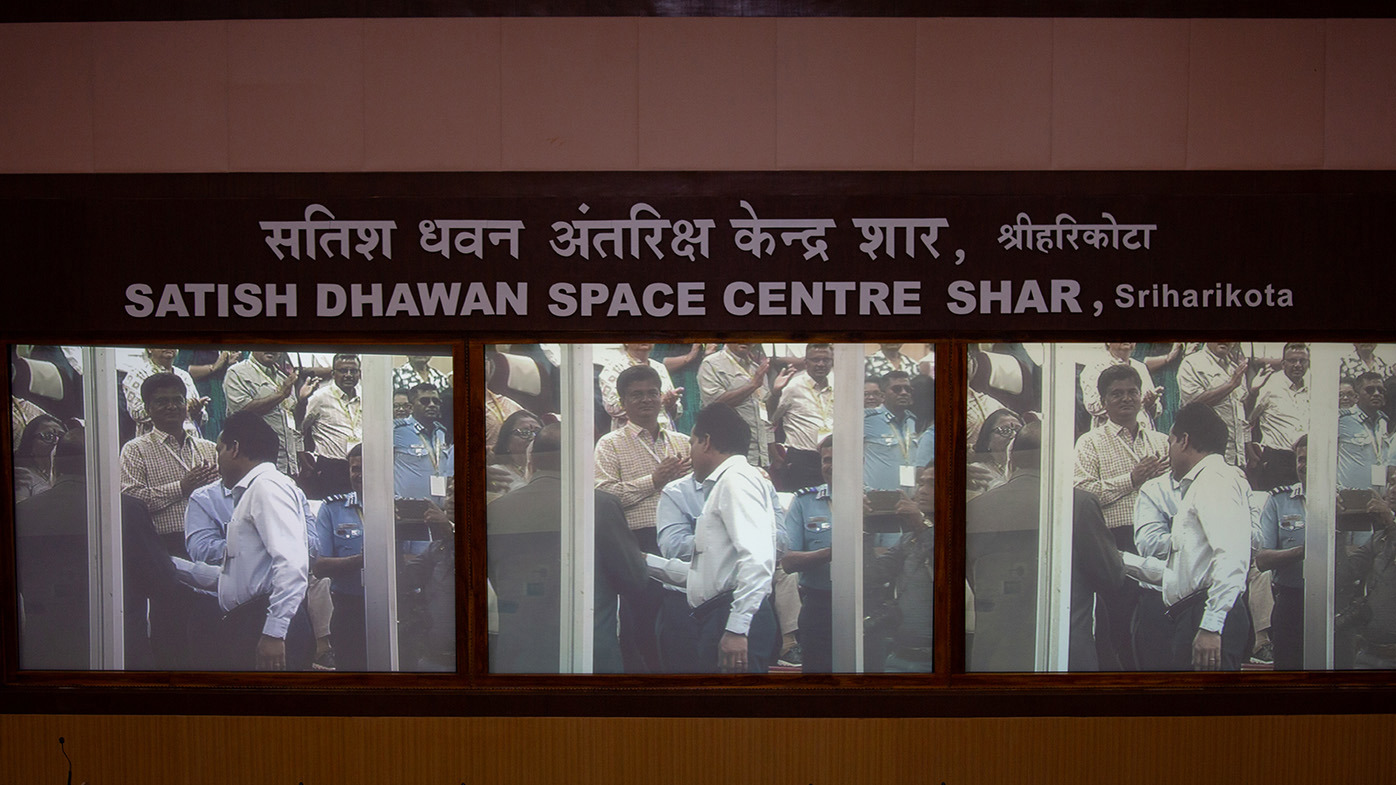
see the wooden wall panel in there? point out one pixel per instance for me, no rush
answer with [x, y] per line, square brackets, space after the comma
[582, 751]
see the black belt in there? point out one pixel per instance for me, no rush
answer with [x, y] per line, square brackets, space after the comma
[721, 601]
[1175, 611]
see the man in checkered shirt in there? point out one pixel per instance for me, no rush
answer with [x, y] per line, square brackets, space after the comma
[1112, 461]
[634, 463]
[161, 468]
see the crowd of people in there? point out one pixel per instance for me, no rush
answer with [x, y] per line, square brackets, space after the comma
[242, 517]
[241, 510]
[1189, 517]
[713, 515]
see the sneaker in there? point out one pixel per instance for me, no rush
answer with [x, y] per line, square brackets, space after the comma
[1264, 654]
[324, 661]
[793, 657]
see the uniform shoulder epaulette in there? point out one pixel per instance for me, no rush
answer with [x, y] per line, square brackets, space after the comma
[337, 497]
[807, 491]
[1283, 488]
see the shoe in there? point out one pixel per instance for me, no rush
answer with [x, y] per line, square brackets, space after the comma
[1264, 654]
[793, 657]
[324, 661]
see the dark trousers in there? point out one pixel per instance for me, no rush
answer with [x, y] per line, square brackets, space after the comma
[347, 632]
[241, 629]
[639, 646]
[1152, 632]
[762, 640]
[804, 470]
[1236, 635]
[1287, 627]
[174, 544]
[1276, 468]
[1115, 642]
[330, 476]
[816, 633]
[677, 632]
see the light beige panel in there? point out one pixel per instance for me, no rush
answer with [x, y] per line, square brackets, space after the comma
[160, 97]
[994, 94]
[1360, 100]
[46, 98]
[1276, 750]
[1256, 94]
[569, 98]
[707, 93]
[296, 95]
[431, 94]
[845, 93]
[983, 93]
[1120, 93]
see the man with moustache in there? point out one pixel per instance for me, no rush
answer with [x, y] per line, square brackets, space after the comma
[1364, 432]
[1210, 546]
[804, 409]
[1113, 461]
[1216, 376]
[889, 443]
[637, 355]
[1280, 547]
[161, 361]
[267, 388]
[422, 460]
[1118, 354]
[734, 549]
[333, 424]
[736, 377]
[808, 530]
[1282, 413]
[163, 467]
[634, 463]
[262, 584]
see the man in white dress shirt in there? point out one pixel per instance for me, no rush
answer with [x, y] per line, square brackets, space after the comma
[261, 588]
[734, 548]
[1210, 547]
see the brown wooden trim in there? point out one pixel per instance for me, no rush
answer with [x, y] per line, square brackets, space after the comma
[132, 10]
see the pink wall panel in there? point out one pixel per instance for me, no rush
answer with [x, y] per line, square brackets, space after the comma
[1360, 100]
[707, 92]
[431, 94]
[983, 94]
[616, 93]
[160, 97]
[46, 95]
[296, 95]
[845, 93]
[1256, 94]
[569, 93]
[1120, 93]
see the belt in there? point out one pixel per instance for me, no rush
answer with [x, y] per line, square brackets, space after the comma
[1177, 609]
[722, 601]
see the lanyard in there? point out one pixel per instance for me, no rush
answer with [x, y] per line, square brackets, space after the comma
[903, 437]
[432, 449]
[663, 451]
[176, 455]
[1129, 447]
[342, 398]
[825, 409]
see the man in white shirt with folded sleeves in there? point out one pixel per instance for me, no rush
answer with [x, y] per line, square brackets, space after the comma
[734, 549]
[1210, 546]
[261, 588]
